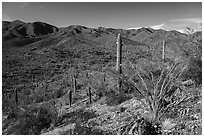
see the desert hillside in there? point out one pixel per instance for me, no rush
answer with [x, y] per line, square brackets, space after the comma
[63, 81]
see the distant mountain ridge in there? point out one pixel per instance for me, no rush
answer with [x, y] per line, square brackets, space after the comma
[18, 28]
[19, 34]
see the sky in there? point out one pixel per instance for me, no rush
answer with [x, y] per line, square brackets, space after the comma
[125, 15]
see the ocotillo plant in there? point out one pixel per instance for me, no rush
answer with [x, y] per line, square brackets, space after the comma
[70, 98]
[119, 59]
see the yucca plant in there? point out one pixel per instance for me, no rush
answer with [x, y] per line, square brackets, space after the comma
[159, 94]
[165, 88]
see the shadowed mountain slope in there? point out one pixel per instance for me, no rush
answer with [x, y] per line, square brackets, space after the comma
[21, 29]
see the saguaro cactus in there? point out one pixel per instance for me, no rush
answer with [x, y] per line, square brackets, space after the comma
[119, 54]
[46, 85]
[74, 84]
[163, 51]
[89, 93]
[16, 97]
[103, 85]
[70, 98]
[119, 60]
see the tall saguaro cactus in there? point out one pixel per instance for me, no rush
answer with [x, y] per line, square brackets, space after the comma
[163, 51]
[119, 54]
[74, 84]
[119, 59]
[103, 84]
[70, 98]
[16, 97]
[89, 93]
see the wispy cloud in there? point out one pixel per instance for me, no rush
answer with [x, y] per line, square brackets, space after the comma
[134, 28]
[23, 4]
[183, 23]
[160, 26]
[181, 30]
[170, 26]
[187, 20]
[178, 24]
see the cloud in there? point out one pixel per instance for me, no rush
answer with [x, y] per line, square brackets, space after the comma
[160, 26]
[187, 20]
[134, 28]
[171, 26]
[178, 25]
[168, 26]
[181, 30]
[24, 4]
[183, 23]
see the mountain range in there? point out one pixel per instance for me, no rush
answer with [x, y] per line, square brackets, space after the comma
[18, 33]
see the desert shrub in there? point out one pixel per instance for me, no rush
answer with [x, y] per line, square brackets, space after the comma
[140, 126]
[11, 111]
[97, 82]
[39, 95]
[9, 106]
[114, 98]
[104, 84]
[80, 118]
[34, 119]
[83, 130]
[148, 128]
[58, 93]
[194, 71]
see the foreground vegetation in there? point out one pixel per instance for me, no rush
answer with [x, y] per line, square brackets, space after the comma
[156, 97]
